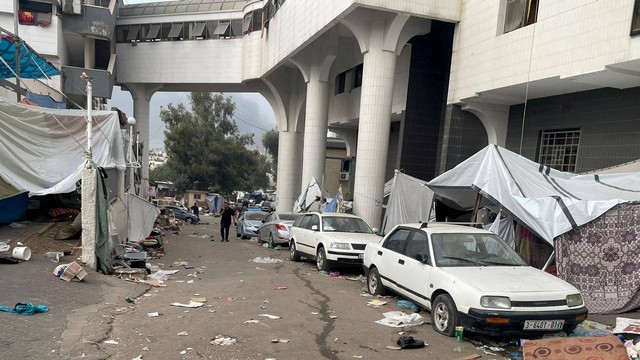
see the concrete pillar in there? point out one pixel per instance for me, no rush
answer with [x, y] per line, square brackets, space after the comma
[89, 53]
[289, 159]
[315, 131]
[88, 213]
[141, 95]
[374, 128]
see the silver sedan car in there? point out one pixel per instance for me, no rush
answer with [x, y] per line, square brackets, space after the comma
[275, 228]
[249, 222]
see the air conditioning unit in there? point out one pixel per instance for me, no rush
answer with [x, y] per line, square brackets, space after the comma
[344, 176]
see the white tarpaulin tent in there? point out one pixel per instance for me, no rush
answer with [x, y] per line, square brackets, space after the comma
[142, 216]
[409, 201]
[308, 196]
[43, 150]
[548, 201]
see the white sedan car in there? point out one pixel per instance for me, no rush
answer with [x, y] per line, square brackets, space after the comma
[330, 238]
[469, 277]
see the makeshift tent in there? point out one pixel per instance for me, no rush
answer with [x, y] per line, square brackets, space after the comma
[547, 201]
[215, 202]
[43, 150]
[142, 216]
[600, 258]
[410, 201]
[309, 196]
[32, 65]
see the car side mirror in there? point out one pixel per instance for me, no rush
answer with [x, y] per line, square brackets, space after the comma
[262, 221]
[376, 231]
[423, 258]
[314, 227]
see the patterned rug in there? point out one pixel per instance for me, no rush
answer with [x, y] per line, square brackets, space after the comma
[601, 259]
[572, 348]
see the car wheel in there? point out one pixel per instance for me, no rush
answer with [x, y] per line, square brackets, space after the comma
[272, 243]
[189, 220]
[321, 260]
[374, 285]
[294, 255]
[444, 315]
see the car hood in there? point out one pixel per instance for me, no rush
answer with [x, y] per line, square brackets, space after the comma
[515, 279]
[352, 237]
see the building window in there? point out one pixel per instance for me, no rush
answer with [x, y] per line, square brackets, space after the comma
[34, 13]
[635, 21]
[520, 13]
[357, 76]
[559, 149]
[196, 196]
[340, 82]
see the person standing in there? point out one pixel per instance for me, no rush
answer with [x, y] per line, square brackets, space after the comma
[227, 215]
[196, 210]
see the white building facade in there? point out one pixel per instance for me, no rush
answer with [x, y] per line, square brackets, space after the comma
[412, 85]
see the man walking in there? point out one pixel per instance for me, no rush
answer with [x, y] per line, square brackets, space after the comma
[196, 210]
[227, 214]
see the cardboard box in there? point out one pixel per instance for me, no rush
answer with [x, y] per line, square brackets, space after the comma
[73, 270]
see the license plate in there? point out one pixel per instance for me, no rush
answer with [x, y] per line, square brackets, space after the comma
[543, 324]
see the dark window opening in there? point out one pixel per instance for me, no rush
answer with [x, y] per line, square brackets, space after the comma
[635, 21]
[340, 82]
[520, 13]
[357, 76]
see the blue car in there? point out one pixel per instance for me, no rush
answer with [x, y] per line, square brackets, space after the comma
[249, 223]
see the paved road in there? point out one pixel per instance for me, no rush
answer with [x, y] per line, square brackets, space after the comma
[238, 290]
[84, 314]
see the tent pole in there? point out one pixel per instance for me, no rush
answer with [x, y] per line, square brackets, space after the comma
[551, 258]
[476, 207]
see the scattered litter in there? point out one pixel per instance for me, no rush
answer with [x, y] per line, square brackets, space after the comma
[200, 299]
[627, 326]
[458, 349]
[323, 273]
[112, 342]
[25, 309]
[183, 352]
[334, 274]
[376, 303]
[357, 356]
[179, 263]
[183, 333]
[259, 268]
[400, 319]
[333, 316]
[154, 283]
[239, 273]
[223, 340]
[153, 314]
[146, 348]
[273, 317]
[366, 295]
[190, 282]
[191, 304]
[359, 278]
[17, 225]
[266, 260]
[406, 304]
[408, 342]
[315, 313]
[252, 321]
[139, 357]
[281, 288]
[284, 341]
[68, 272]
[212, 311]
[477, 356]
[4, 246]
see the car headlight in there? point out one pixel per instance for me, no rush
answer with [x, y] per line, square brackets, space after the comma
[495, 302]
[339, 245]
[574, 300]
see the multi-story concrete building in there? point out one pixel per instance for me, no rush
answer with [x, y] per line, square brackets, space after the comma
[74, 35]
[412, 85]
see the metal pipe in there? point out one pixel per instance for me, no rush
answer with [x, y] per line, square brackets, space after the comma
[16, 43]
[86, 78]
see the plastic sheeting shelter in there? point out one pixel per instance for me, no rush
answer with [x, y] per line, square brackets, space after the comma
[215, 203]
[142, 216]
[549, 202]
[43, 150]
[410, 201]
[308, 196]
[32, 65]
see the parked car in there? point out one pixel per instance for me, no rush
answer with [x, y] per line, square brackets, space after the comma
[268, 206]
[249, 223]
[330, 238]
[470, 277]
[275, 228]
[184, 215]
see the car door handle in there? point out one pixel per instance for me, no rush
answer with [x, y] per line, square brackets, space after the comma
[379, 252]
[400, 261]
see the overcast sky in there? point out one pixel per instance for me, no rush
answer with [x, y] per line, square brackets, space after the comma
[253, 114]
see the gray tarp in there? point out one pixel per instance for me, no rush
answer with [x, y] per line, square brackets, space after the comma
[409, 201]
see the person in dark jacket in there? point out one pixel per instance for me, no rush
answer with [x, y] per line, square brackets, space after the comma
[227, 215]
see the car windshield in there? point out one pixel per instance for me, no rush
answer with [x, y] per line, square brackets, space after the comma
[250, 215]
[345, 224]
[465, 249]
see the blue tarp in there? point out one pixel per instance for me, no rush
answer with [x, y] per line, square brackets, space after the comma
[45, 101]
[32, 65]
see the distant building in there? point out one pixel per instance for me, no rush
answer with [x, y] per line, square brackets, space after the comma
[157, 157]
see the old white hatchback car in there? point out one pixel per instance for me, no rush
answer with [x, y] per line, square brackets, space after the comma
[470, 277]
[330, 238]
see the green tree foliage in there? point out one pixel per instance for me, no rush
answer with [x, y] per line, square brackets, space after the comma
[270, 143]
[205, 145]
